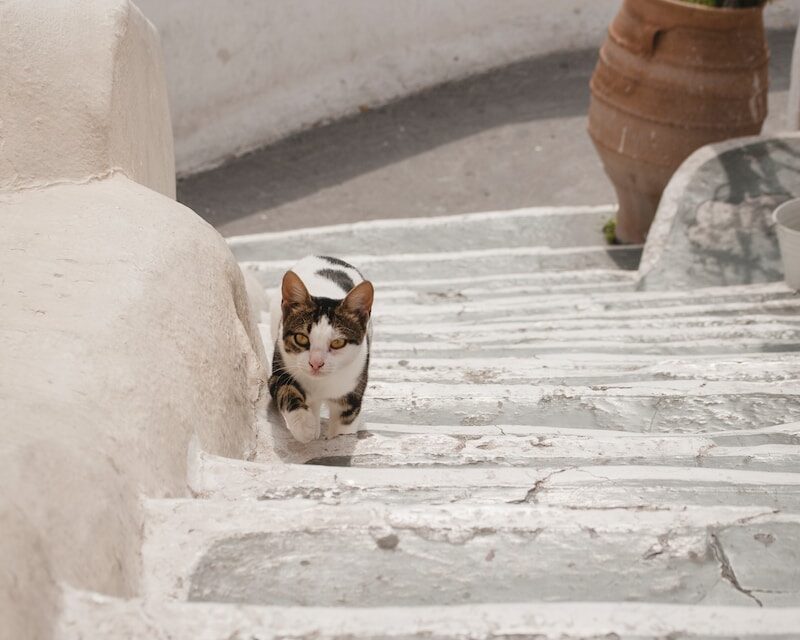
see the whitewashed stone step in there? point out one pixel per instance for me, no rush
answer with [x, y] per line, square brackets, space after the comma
[432, 291]
[94, 617]
[728, 340]
[466, 263]
[658, 330]
[514, 321]
[376, 555]
[671, 474]
[398, 445]
[511, 321]
[435, 291]
[538, 226]
[589, 368]
[677, 406]
[615, 305]
[550, 286]
[724, 342]
[613, 487]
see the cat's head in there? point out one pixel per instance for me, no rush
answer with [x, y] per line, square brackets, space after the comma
[322, 335]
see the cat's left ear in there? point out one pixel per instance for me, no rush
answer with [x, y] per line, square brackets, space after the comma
[359, 300]
[294, 292]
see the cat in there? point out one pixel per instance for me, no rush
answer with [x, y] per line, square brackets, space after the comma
[322, 328]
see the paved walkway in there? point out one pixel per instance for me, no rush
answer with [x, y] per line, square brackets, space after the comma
[510, 138]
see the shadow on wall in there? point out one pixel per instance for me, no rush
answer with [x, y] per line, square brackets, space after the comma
[756, 175]
[717, 217]
[551, 86]
[756, 183]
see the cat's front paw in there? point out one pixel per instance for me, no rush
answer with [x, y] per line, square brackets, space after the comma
[303, 425]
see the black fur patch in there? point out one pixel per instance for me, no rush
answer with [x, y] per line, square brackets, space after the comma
[338, 277]
[287, 392]
[340, 263]
[351, 403]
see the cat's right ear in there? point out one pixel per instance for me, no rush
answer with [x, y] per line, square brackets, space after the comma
[294, 292]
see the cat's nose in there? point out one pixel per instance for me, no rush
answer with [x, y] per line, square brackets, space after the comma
[316, 363]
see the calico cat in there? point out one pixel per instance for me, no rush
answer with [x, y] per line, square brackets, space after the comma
[322, 331]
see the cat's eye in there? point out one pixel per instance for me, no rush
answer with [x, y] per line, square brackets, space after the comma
[301, 339]
[338, 343]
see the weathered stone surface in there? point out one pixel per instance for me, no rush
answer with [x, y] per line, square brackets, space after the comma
[578, 484]
[402, 445]
[714, 225]
[537, 226]
[464, 263]
[447, 555]
[531, 440]
[94, 616]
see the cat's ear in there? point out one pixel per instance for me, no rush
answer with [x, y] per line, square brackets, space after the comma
[359, 300]
[294, 292]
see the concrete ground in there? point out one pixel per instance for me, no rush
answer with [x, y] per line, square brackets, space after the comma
[508, 138]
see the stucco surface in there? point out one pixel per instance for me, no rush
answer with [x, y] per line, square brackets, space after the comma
[243, 73]
[125, 331]
[83, 95]
[125, 328]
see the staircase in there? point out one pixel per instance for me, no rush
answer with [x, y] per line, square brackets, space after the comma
[548, 454]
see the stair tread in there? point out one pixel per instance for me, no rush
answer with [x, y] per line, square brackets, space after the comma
[94, 616]
[464, 263]
[613, 304]
[397, 445]
[277, 553]
[589, 368]
[547, 226]
[604, 483]
[688, 406]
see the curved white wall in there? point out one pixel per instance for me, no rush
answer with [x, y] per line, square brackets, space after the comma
[125, 330]
[243, 73]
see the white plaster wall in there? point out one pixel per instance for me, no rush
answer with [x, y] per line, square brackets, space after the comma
[72, 108]
[243, 73]
[125, 330]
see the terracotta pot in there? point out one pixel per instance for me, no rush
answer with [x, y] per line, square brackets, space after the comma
[671, 78]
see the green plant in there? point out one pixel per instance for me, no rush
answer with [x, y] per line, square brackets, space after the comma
[610, 231]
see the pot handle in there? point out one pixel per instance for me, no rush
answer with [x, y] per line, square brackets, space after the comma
[639, 37]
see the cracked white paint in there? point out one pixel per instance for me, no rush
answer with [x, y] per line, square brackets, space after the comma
[581, 485]
[268, 553]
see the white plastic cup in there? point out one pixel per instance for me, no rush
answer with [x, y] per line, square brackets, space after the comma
[787, 223]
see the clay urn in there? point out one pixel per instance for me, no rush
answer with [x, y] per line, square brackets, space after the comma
[671, 77]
